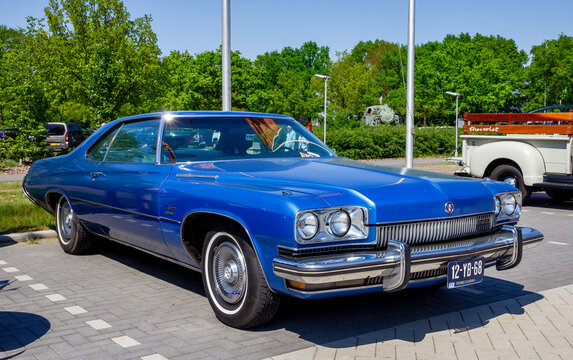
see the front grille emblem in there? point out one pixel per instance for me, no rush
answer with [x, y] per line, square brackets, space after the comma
[449, 207]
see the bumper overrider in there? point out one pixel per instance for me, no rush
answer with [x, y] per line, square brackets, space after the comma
[395, 266]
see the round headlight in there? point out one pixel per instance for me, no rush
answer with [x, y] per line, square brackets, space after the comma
[508, 204]
[307, 226]
[339, 222]
[497, 206]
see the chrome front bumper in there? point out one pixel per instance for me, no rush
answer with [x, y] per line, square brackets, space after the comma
[395, 265]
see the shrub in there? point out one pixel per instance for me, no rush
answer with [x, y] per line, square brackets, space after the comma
[386, 141]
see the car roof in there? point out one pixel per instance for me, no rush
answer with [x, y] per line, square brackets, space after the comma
[226, 114]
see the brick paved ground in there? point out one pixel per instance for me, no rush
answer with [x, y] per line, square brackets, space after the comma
[124, 304]
[535, 326]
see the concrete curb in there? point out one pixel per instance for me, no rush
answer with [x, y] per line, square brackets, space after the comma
[25, 236]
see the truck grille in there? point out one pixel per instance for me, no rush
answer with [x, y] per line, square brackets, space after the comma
[435, 230]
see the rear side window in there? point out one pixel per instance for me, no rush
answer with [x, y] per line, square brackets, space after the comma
[55, 129]
[131, 143]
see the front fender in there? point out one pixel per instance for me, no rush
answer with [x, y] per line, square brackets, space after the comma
[527, 157]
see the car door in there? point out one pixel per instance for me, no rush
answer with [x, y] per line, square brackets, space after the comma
[126, 183]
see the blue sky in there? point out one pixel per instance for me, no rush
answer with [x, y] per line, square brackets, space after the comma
[264, 25]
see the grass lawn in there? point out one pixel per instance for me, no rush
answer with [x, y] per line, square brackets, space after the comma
[18, 214]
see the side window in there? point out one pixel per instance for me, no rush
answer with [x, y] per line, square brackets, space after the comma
[188, 140]
[97, 153]
[131, 143]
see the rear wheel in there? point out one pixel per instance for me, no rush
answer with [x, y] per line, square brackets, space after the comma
[559, 194]
[73, 238]
[234, 280]
[510, 174]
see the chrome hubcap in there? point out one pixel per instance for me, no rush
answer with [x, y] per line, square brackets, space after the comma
[66, 219]
[229, 272]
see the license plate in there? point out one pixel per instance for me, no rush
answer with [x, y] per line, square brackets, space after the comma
[465, 272]
[53, 144]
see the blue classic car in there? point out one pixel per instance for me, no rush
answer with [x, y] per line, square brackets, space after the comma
[263, 209]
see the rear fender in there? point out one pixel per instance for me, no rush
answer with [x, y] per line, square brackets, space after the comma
[487, 156]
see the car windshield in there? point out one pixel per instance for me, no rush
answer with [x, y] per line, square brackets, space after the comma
[203, 139]
[55, 129]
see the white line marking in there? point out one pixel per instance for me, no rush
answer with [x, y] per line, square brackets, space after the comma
[548, 213]
[23, 278]
[2, 262]
[154, 357]
[98, 324]
[569, 214]
[10, 269]
[470, 290]
[125, 341]
[55, 297]
[558, 243]
[39, 287]
[74, 310]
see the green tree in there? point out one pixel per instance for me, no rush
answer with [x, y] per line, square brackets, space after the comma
[23, 103]
[489, 72]
[550, 74]
[387, 69]
[350, 85]
[194, 82]
[95, 55]
[285, 80]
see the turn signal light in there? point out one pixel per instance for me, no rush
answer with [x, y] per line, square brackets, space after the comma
[296, 284]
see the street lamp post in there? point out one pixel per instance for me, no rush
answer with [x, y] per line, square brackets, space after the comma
[326, 78]
[456, 121]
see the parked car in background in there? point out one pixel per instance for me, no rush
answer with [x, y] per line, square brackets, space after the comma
[63, 136]
[6, 133]
[269, 210]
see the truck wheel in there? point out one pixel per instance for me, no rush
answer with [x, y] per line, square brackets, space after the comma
[234, 280]
[559, 194]
[510, 174]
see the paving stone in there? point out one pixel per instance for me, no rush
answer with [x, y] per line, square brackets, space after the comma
[125, 341]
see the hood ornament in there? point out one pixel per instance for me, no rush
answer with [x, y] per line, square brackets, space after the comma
[449, 207]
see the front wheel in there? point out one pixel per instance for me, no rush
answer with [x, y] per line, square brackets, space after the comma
[510, 174]
[72, 236]
[234, 281]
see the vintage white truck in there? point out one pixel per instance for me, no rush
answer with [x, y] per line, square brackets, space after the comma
[533, 152]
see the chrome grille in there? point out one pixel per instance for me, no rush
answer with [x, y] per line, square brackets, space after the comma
[435, 230]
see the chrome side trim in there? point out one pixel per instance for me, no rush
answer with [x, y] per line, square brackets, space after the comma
[177, 222]
[116, 209]
[34, 201]
[214, 177]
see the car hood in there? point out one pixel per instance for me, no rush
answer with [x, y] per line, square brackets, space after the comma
[396, 194]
